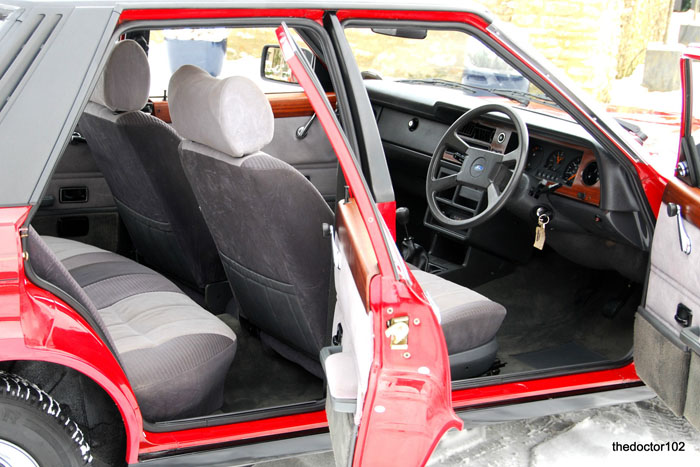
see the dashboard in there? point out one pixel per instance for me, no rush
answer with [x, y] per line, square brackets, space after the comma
[573, 168]
[566, 169]
[596, 217]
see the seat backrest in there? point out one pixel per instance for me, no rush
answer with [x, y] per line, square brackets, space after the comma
[266, 218]
[138, 155]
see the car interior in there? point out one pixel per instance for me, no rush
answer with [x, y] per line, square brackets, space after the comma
[186, 226]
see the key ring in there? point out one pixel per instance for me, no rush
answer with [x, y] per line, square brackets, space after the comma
[543, 219]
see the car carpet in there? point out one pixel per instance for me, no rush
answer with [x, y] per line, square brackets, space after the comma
[260, 378]
[552, 302]
[566, 354]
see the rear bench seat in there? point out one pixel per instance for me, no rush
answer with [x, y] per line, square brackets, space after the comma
[175, 353]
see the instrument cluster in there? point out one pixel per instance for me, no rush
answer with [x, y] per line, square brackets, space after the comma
[548, 161]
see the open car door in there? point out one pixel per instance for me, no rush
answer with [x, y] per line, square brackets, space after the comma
[667, 327]
[389, 394]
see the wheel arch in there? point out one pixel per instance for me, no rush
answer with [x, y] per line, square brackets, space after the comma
[49, 332]
[88, 393]
[88, 404]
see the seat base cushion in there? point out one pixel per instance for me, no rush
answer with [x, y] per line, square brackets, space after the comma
[469, 320]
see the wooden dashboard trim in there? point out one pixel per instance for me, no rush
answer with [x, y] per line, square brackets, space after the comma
[685, 196]
[356, 244]
[284, 105]
[578, 190]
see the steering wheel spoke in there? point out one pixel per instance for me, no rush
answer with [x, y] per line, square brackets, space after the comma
[511, 158]
[444, 183]
[454, 141]
[493, 194]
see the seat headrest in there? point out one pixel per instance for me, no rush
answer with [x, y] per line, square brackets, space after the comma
[126, 80]
[231, 115]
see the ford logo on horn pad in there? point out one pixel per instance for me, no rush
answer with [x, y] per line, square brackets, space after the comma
[478, 167]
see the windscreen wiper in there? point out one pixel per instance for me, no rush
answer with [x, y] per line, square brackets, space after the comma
[522, 97]
[441, 82]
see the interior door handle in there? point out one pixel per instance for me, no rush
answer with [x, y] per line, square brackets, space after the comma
[675, 210]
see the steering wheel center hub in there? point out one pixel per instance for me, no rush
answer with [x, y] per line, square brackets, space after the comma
[478, 167]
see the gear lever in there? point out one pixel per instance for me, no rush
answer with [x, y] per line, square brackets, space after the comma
[411, 251]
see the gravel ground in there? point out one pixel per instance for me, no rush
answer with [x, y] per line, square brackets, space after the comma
[582, 438]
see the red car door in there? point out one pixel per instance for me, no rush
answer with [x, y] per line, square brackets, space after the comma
[388, 374]
[667, 326]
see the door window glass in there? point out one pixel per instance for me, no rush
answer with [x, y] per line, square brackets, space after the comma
[223, 52]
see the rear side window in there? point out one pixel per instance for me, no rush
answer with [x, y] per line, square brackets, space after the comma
[223, 52]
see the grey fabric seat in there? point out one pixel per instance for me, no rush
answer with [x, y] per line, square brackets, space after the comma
[274, 254]
[266, 220]
[137, 153]
[175, 354]
[469, 322]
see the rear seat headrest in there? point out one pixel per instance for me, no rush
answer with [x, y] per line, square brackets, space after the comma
[231, 115]
[126, 80]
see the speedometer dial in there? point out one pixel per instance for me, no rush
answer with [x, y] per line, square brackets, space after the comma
[555, 160]
[571, 171]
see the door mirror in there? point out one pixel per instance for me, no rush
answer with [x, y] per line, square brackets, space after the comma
[273, 67]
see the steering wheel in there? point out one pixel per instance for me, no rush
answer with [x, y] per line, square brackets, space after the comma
[483, 170]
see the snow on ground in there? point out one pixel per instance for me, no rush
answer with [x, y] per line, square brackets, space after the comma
[584, 438]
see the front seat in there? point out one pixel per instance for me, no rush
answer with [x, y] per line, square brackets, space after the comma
[266, 221]
[137, 153]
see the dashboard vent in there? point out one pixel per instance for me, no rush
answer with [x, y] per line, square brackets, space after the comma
[479, 132]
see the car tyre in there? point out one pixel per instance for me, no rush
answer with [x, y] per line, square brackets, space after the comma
[35, 429]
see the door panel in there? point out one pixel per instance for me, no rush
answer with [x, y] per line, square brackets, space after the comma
[347, 364]
[312, 155]
[662, 356]
[672, 275]
[78, 203]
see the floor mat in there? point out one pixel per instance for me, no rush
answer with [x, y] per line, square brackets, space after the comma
[551, 302]
[570, 353]
[260, 378]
